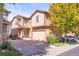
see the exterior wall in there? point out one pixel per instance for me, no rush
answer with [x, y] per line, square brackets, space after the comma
[40, 19]
[47, 33]
[47, 21]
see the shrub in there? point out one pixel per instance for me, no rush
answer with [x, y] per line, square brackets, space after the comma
[53, 39]
[5, 45]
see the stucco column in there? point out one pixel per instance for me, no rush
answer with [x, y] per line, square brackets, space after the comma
[21, 34]
[30, 34]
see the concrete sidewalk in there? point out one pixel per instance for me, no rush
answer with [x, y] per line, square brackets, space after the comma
[54, 51]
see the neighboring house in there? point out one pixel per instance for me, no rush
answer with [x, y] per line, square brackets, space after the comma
[4, 24]
[35, 27]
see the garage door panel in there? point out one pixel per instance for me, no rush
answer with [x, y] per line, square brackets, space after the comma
[39, 35]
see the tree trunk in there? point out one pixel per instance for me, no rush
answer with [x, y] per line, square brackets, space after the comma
[65, 38]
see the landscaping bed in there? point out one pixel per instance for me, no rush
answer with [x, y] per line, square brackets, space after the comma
[10, 53]
[7, 50]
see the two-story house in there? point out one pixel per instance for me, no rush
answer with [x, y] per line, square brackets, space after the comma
[35, 27]
[4, 24]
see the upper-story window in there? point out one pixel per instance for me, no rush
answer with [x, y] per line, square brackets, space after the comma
[37, 19]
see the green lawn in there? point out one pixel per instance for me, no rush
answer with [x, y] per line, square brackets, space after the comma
[60, 44]
[10, 53]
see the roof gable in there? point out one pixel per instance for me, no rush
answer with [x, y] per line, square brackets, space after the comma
[18, 17]
[38, 11]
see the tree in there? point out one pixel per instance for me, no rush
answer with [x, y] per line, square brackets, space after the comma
[1, 7]
[65, 17]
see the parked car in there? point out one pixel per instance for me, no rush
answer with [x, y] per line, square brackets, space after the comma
[70, 39]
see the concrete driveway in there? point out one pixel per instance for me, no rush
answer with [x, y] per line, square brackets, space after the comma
[30, 47]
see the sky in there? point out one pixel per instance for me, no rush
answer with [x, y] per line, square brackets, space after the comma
[25, 9]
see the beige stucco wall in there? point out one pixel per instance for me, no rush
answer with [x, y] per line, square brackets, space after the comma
[47, 21]
[47, 31]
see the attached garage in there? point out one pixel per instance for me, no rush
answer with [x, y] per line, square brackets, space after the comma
[38, 35]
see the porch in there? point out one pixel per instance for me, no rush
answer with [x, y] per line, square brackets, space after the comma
[21, 32]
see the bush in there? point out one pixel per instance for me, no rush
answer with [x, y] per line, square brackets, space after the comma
[5, 45]
[53, 39]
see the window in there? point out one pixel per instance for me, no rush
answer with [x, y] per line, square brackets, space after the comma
[37, 19]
